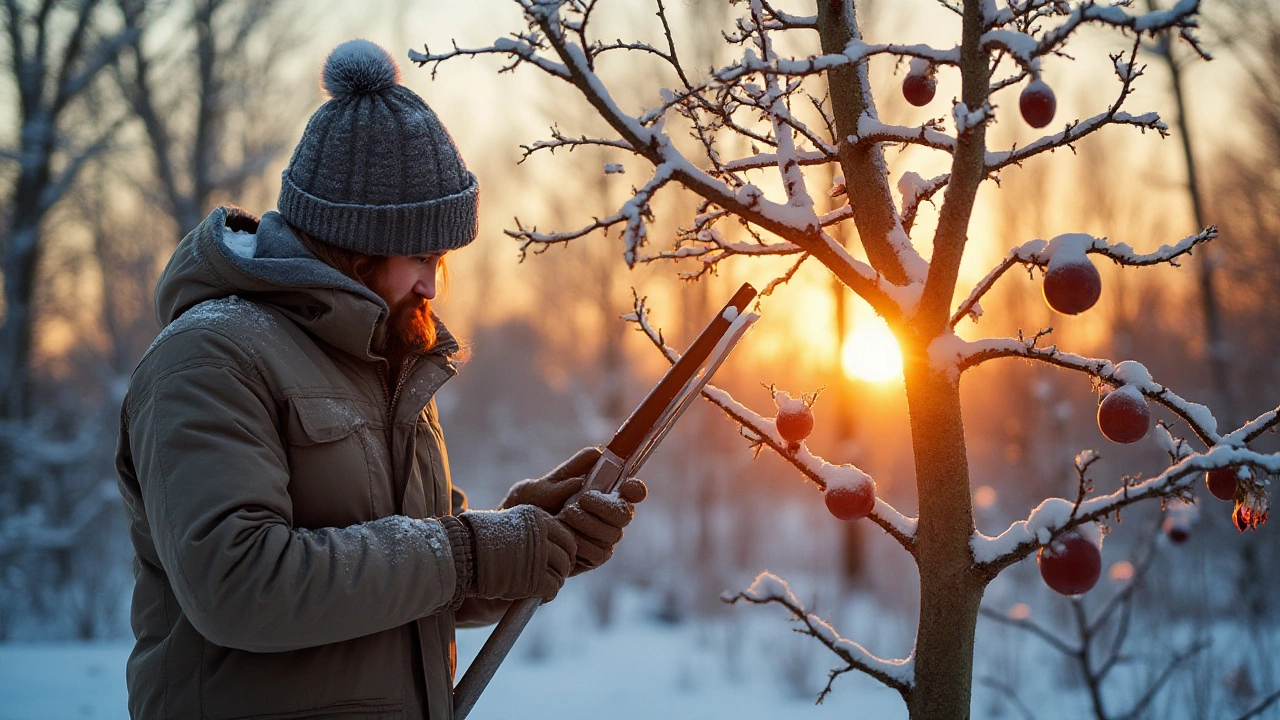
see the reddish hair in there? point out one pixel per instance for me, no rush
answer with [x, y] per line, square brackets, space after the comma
[412, 328]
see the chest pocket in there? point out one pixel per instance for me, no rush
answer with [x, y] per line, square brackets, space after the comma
[337, 474]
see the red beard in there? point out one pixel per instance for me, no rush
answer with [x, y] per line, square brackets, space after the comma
[411, 330]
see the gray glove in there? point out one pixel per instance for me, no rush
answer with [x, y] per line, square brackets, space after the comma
[550, 491]
[518, 553]
[597, 521]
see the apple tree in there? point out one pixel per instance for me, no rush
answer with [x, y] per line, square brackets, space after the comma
[765, 114]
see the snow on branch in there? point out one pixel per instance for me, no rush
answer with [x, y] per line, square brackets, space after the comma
[896, 674]
[1127, 71]
[558, 44]
[523, 48]
[1057, 515]
[632, 215]
[1026, 48]
[949, 348]
[871, 130]
[761, 432]
[1038, 253]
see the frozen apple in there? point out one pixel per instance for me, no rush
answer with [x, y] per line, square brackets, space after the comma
[1037, 104]
[1070, 564]
[1222, 483]
[1072, 287]
[919, 89]
[795, 418]
[1123, 415]
[850, 493]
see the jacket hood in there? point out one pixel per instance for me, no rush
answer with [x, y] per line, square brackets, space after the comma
[233, 253]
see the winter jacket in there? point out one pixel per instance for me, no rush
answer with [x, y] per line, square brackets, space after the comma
[279, 503]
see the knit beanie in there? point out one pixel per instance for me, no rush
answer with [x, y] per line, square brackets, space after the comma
[375, 171]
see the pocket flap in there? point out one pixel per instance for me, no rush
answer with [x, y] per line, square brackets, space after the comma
[323, 420]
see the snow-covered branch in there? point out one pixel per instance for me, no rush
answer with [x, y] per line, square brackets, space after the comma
[794, 220]
[1039, 253]
[951, 349]
[762, 432]
[871, 130]
[896, 674]
[1055, 515]
[559, 140]
[632, 215]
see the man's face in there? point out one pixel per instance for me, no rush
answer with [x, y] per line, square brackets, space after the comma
[402, 277]
[408, 284]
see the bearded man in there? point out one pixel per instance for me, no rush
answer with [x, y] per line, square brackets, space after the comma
[301, 550]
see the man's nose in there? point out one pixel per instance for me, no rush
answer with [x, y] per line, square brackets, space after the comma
[426, 287]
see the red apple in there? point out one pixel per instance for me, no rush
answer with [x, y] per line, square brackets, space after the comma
[1222, 483]
[1037, 104]
[1123, 415]
[1072, 287]
[795, 418]
[919, 89]
[1070, 565]
[850, 501]
[1176, 531]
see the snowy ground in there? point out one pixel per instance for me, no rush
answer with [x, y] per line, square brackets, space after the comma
[637, 668]
[745, 662]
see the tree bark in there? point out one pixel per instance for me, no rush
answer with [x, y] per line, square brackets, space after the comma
[865, 171]
[950, 591]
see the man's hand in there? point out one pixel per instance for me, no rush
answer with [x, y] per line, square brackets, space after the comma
[519, 553]
[550, 491]
[597, 521]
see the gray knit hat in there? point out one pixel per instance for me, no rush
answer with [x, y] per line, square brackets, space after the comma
[375, 171]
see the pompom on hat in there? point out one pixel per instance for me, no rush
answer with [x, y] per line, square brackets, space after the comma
[375, 171]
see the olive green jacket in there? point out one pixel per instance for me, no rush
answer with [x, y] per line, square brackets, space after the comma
[279, 495]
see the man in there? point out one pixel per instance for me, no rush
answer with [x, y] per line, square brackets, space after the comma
[301, 551]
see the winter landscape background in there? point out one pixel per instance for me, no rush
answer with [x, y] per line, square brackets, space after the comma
[195, 103]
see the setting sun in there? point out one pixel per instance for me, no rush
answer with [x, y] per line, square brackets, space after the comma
[871, 353]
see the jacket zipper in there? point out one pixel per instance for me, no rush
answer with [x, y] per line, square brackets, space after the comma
[393, 398]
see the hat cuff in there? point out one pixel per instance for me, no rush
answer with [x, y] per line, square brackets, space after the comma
[421, 228]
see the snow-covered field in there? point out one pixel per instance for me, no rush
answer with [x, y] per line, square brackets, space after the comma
[744, 662]
[563, 667]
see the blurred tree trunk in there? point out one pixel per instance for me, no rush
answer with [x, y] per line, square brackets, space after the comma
[1210, 305]
[56, 53]
[212, 104]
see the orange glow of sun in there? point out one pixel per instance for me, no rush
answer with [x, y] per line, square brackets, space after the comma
[871, 353]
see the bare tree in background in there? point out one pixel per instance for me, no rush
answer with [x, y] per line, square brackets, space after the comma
[211, 99]
[56, 51]
[772, 101]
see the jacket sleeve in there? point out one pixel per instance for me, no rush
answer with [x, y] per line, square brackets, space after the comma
[214, 481]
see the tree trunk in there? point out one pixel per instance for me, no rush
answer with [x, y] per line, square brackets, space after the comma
[21, 260]
[949, 589]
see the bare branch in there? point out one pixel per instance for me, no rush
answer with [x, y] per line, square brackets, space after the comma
[896, 674]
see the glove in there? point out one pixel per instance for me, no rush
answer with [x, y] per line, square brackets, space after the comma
[550, 491]
[518, 553]
[597, 521]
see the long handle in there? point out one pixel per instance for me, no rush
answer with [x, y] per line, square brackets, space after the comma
[495, 650]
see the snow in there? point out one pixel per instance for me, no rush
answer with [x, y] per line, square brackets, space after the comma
[910, 186]
[844, 477]
[919, 66]
[730, 313]
[614, 169]
[967, 119]
[788, 404]
[240, 242]
[1067, 249]
[638, 668]
[1048, 516]
[1131, 372]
